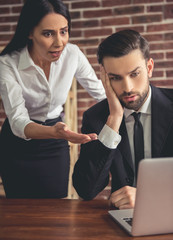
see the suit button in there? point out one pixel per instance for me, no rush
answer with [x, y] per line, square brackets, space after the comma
[128, 180]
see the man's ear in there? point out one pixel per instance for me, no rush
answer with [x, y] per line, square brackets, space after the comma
[150, 67]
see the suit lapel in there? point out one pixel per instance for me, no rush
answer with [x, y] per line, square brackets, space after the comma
[161, 120]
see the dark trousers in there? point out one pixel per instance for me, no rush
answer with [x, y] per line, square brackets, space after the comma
[34, 168]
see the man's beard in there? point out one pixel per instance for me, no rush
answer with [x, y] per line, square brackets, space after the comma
[135, 105]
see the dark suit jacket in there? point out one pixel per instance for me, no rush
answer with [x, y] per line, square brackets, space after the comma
[96, 161]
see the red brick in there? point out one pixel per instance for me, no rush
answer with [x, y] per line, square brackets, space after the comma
[85, 24]
[169, 55]
[168, 11]
[6, 19]
[2, 114]
[147, 1]
[4, 10]
[156, 56]
[162, 83]
[97, 13]
[86, 42]
[85, 104]
[169, 73]
[160, 27]
[157, 74]
[128, 10]
[154, 37]
[75, 15]
[115, 21]
[163, 46]
[169, 36]
[16, 9]
[4, 28]
[111, 3]
[133, 27]
[83, 95]
[6, 37]
[91, 51]
[92, 60]
[79, 86]
[98, 32]
[88, 4]
[163, 64]
[147, 19]
[76, 33]
[155, 8]
[13, 27]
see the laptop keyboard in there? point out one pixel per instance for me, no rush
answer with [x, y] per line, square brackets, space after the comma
[128, 220]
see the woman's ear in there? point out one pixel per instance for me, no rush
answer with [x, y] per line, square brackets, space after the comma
[150, 67]
[30, 35]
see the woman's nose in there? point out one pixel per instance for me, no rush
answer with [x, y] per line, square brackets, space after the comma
[58, 41]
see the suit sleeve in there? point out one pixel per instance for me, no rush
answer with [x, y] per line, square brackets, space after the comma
[91, 171]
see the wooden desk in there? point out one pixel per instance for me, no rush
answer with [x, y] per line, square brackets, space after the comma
[60, 219]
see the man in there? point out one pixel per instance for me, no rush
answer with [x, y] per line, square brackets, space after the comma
[126, 68]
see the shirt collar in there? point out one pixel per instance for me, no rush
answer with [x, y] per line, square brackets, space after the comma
[25, 61]
[146, 107]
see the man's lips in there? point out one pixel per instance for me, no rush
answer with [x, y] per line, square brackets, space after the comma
[130, 98]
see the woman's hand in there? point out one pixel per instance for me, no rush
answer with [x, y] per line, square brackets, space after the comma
[62, 132]
[58, 131]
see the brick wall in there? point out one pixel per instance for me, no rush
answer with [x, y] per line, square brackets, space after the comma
[94, 20]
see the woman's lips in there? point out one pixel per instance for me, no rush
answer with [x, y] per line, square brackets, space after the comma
[56, 53]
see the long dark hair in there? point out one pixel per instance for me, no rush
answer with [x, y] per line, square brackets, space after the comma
[32, 13]
[121, 43]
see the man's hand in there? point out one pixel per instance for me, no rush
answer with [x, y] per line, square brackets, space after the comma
[62, 132]
[123, 198]
[115, 107]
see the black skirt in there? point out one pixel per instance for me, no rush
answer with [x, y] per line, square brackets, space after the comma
[37, 168]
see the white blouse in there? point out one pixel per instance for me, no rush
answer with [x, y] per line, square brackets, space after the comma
[27, 94]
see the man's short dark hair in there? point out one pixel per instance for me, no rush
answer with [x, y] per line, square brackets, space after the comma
[121, 43]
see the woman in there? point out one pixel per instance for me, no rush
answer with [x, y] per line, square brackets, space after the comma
[36, 71]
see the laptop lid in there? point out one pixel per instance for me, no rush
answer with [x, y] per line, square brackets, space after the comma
[153, 212]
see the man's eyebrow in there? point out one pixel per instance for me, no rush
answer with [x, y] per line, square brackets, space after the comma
[134, 70]
[114, 74]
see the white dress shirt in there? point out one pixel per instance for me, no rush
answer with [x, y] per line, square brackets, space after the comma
[111, 139]
[26, 93]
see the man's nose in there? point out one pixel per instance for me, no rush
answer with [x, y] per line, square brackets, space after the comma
[127, 85]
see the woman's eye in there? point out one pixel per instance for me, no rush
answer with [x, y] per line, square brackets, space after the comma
[63, 32]
[47, 34]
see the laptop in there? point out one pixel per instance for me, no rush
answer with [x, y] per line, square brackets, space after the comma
[153, 211]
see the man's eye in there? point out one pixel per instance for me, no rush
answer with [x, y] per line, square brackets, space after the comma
[135, 74]
[114, 78]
